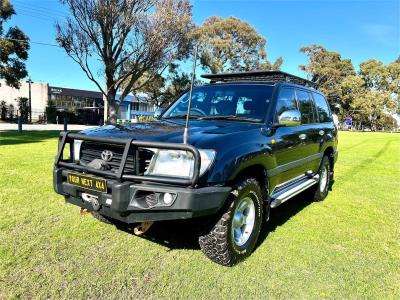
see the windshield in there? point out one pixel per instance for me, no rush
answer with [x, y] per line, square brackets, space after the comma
[248, 102]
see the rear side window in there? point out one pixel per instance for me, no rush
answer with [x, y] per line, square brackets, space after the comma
[306, 107]
[286, 101]
[323, 109]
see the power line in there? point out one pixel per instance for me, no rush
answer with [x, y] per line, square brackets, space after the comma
[37, 14]
[30, 42]
[40, 8]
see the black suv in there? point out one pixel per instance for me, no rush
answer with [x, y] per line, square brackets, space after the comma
[255, 140]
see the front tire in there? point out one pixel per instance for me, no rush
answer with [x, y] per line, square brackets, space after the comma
[234, 234]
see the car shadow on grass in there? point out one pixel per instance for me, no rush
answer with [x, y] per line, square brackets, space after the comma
[26, 137]
[281, 214]
[177, 234]
[183, 234]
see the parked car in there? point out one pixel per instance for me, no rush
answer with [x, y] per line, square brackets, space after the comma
[255, 140]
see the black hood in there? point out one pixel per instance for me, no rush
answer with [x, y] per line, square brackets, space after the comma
[200, 132]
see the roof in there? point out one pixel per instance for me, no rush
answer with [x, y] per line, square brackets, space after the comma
[268, 76]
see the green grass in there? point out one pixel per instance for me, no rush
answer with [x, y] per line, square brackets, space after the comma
[345, 247]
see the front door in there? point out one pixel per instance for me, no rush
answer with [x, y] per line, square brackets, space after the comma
[292, 144]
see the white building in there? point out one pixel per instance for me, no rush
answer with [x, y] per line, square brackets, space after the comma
[88, 106]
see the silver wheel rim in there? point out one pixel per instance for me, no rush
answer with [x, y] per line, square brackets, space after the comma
[243, 221]
[323, 180]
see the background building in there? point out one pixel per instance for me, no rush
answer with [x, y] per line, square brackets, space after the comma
[51, 103]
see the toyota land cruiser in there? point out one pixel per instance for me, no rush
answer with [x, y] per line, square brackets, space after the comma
[255, 140]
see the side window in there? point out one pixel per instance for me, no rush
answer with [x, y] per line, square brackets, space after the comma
[306, 107]
[324, 112]
[286, 101]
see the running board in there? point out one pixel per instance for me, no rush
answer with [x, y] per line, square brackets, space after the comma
[281, 196]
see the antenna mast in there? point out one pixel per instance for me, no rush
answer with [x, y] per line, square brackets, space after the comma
[186, 131]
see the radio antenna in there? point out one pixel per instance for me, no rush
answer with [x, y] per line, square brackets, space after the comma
[186, 131]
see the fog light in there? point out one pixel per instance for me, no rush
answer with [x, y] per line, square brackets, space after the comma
[168, 198]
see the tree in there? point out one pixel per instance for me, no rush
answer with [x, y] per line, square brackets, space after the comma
[231, 45]
[23, 108]
[11, 111]
[327, 69]
[153, 89]
[14, 46]
[178, 84]
[372, 105]
[128, 37]
[3, 110]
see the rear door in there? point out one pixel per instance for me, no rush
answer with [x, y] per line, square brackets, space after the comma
[327, 129]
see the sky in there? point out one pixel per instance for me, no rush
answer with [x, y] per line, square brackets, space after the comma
[357, 29]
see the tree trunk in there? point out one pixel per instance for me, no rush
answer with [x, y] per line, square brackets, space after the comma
[112, 106]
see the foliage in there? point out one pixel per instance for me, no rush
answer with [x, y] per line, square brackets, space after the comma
[129, 38]
[14, 46]
[347, 247]
[368, 96]
[11, 112]
[3, 109]
[327, 69]
[152, 85]
[23, 108]
[178, 84]
[231, 45]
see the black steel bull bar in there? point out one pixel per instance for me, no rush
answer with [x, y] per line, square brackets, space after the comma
[68, 138]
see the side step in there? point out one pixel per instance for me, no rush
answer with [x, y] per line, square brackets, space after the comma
[283, 195]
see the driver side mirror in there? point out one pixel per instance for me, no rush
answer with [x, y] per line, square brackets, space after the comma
[158, 112]
[290, 118]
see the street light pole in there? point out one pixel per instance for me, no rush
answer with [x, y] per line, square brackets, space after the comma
[30, 99]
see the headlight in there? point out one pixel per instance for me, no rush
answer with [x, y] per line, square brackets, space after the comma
[178, 163]
[77, 150]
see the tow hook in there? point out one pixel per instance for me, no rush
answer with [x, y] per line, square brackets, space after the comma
[94, 200]
[142, 227]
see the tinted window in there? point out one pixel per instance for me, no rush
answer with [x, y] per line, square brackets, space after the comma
[241, 100]
[286, 101]
[323, 109]
[306, 107]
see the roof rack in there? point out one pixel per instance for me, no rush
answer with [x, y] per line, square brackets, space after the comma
[270, 76]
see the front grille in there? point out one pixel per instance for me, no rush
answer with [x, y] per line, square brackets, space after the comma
[91, 151]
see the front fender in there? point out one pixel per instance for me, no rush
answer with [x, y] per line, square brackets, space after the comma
[230, 163]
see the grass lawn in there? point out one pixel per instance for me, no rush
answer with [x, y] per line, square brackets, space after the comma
[345, 247]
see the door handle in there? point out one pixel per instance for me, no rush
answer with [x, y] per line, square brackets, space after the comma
[302, 136]
[321, 132]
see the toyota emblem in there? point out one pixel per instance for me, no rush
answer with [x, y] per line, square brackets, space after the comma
[106, 155]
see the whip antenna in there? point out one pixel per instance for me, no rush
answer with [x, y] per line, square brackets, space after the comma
[186, 131]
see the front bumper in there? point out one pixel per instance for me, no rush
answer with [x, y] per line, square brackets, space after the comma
[122, 200]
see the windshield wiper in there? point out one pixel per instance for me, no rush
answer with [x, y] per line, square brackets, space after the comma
[231, 117]
[182, 117]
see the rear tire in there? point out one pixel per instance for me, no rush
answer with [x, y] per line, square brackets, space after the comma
[321, 190]
[234, 234]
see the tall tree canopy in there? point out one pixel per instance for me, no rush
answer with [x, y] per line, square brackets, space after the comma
[14, 46]
[327, 69]
[128, 37]
[231, 45]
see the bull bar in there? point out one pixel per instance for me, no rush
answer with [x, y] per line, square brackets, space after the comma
[68, 138]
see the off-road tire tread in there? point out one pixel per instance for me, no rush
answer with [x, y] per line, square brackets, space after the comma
[214, 244]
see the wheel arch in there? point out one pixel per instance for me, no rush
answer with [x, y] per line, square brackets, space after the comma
[258, 172]
[329, 153]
